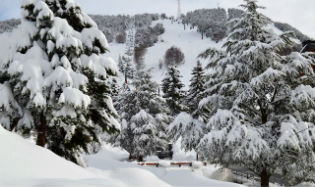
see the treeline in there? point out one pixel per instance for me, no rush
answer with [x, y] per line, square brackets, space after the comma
[113, 26]
[9, 25]
[213, 23]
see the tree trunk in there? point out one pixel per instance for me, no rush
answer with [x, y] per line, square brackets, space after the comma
[140, 159]
[202, 35]
[126, 78]
[42, 128]
[130, 157]
[197, 157]
[264, 178]
[14, 124]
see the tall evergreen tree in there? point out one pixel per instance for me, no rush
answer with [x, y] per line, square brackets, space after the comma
[196, 88]
[59, 75]
[144, 118]
[258, 118]
[189, 127]
[172, 89]
[126, 62]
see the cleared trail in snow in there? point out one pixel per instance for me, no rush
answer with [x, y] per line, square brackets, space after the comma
[189, 41]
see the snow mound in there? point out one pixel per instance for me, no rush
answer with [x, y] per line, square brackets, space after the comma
[25, 164]
[20, 160]
[138, 177]
[114, 161]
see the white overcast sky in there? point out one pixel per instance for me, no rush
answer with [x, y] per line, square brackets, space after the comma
[298, 13]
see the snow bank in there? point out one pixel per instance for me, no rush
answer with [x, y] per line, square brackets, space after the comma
[25, 164]
[114, 162]
[21, 161]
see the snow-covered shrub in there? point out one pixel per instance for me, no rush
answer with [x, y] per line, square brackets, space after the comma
[109, 35]
[146, 37]
[163, 16]
[216, 32]
[159, 29]
[174, 56]
[121, 37]
[139, 56]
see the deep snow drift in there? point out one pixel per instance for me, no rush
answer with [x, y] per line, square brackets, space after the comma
[115, 160]
[25, 164]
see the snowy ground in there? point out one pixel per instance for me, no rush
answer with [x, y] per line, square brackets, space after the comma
[25, 164]
[114, 160]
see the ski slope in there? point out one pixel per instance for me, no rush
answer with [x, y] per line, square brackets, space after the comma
[189, 41]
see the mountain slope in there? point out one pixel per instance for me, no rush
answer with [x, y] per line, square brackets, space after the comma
[25, 164]
[189, 41]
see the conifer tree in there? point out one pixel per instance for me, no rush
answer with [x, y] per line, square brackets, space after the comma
[172, 89]
[126, 61]
[143, 117]
[59, 78]
[190, 126]
[258, 118]
[196, 88]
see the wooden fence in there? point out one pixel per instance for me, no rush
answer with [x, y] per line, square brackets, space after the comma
[179, 164]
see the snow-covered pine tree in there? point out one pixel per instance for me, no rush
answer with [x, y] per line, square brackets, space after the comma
[196, 88]
[90, 71]
[172, 89]
[190, 126]
[58, 77]
[259, 119]
[143, 117]
[126, 61]
[25, 65]
[126, 67]
[144, 134]
[155, 104]
[299, 77]
[18, 94]
[131, 37]
[187, 128]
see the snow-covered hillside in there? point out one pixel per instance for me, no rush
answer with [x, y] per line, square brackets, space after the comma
[25, 164]
[22, 163]
[189, 41]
